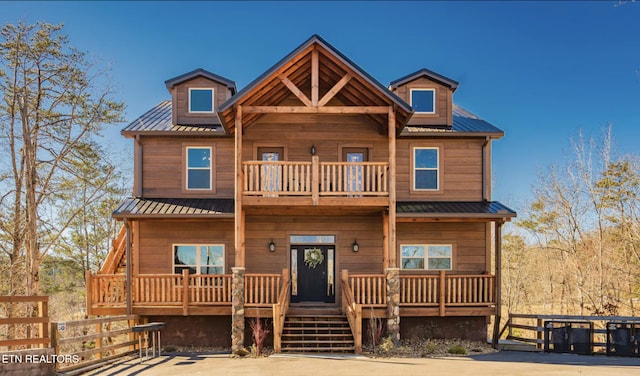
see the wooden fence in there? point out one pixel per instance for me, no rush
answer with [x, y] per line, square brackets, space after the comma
[35, 328]
[529, 328]
[92, 341]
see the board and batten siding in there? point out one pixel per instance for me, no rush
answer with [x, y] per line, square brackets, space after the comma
[468, 239]
[163, 170]
[156, 240]
[461, 175]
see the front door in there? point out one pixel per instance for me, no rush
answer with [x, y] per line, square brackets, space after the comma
[312, 274]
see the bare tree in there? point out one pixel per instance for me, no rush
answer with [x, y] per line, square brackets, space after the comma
[52, 104]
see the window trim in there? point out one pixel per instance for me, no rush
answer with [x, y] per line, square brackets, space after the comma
[426, 257]
[411, 90]
[213, 100]
[438, 169]
[185, 169]
[198, 263]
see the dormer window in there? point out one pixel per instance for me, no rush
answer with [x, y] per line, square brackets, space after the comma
[423, 101]
[201, 100]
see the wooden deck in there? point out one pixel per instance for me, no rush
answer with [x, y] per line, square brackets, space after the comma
[183, 294]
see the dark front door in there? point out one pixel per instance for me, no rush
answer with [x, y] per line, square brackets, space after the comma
[313, 273]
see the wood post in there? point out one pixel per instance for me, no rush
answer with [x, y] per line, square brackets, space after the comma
[185, 292]
[54, 338]
[385, 240]
[315, 179]
[315, 77]
[442, 295]
[498, 317]
[239, 213]
[392, 188]
[357, 338]
[99, 340]
[89, 296]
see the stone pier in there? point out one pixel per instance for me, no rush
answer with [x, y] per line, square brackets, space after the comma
[237, 311]
[393, 303]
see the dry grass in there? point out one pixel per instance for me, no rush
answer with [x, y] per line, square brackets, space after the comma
[428, 348]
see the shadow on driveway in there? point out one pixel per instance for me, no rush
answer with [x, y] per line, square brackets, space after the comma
[558, 359]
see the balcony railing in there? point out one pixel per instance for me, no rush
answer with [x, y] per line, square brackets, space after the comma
[315, 178]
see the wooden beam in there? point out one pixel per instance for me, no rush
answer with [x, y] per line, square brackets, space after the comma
[294, 89]
[392, 188]
[316, 110]
[238, 220]
[335, 89]
[315, 87]
[498, 274]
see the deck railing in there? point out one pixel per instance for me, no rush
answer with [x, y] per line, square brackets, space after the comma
[261, 290]
[431, 290]
[280, 311]
[353, 310]
[107, 289]
[315, 178]
[353, 178]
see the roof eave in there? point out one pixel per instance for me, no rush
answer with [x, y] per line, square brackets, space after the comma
[133, 134]
[492, 135]
[123, 216]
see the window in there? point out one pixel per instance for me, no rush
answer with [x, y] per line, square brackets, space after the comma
[426, 256]
[198, 259]
[425, 169]
[199, 168]
[201, 100]
[423, 101]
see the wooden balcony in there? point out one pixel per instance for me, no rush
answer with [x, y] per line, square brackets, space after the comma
[315, 183]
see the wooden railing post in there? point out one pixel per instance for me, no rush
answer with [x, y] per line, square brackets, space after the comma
[441, 298]
[99, 340]
[54, 338]
[43, 327]
[185, 292]
[344, 277]
[315, 180]
[89, 297]
[357, 337]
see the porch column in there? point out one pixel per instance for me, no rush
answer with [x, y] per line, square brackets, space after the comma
[392, 188]
[237, 311]
[393, 303]
[127, 251]
[498, 316]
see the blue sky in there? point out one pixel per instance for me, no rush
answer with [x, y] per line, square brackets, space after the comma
[538, 70]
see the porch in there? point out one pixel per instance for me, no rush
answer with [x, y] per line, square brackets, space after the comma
[268, 296]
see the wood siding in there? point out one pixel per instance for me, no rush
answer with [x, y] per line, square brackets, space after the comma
[366, 229]
[164, 167]
[468, 239]
[444, 102]
[156, 240]
[460, 177]
[180, 101]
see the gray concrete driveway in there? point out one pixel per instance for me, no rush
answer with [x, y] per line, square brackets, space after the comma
[503, 363]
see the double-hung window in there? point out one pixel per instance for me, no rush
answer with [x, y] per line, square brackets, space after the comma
[426, 166]
[199, 171]
[423, 101]
[198, 258]
[426, 256]
[201, 100]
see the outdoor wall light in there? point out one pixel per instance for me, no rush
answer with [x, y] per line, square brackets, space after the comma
[356, 247]
[272, 246]
[313, 150]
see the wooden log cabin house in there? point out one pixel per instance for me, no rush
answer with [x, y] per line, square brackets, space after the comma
[315, 197]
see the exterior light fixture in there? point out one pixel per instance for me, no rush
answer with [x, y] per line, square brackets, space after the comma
[313, 150]
[272, 246]
[356, 247]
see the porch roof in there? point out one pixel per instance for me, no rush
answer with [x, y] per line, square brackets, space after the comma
[133, 207]
[454, 209]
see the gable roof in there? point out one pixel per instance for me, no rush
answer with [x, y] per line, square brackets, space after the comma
[314, 40]
[201, 73]
[424, 72]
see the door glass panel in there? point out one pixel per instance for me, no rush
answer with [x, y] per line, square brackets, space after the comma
[271, 173]
[294, 272]
[354, 172]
